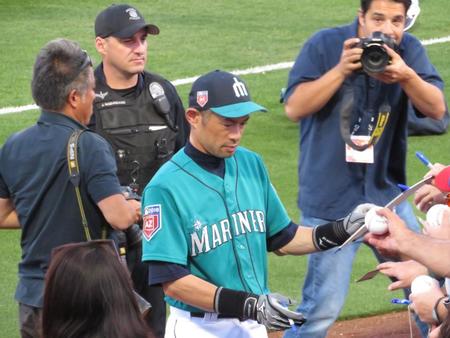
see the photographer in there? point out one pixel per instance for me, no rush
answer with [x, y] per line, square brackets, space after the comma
[36, 192]
[357, 121]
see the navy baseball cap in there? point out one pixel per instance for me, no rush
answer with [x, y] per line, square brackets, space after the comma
[224, 94]
[121, 21]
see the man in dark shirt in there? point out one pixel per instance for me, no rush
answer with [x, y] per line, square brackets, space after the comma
[327, 75]
[36, 193]
[140, 114]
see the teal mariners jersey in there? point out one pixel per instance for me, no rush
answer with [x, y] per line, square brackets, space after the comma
[215, 227]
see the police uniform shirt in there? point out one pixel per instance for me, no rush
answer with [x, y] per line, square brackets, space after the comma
[143, 137]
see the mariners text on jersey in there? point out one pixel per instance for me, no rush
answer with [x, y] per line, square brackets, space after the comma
[205, 238]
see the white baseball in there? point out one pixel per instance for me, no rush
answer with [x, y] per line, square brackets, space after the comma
[423, 283]
[375, 223]
[435, 214]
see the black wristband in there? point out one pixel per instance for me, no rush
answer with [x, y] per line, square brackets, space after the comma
[329, 235]
[237, 304]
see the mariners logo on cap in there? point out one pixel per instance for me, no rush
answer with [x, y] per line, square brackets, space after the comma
[133, 14]
[239, 88]
[151, 221]
[202, 98]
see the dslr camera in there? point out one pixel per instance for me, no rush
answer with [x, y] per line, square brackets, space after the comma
[129, 247]
[374, 58]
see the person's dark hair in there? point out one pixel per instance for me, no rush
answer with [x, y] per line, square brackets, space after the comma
[89, 294]
[60, 67]
[365, 4]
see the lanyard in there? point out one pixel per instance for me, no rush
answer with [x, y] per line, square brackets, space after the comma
[375, 127]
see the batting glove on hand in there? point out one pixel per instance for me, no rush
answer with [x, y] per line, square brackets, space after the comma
[272, 312]
[355, 220]
[330, 235]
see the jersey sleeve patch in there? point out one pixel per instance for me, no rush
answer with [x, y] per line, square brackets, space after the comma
[151, 221]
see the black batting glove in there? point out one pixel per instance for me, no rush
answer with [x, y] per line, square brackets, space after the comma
[335, 233]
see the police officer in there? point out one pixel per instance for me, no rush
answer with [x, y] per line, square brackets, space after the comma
[139, 113]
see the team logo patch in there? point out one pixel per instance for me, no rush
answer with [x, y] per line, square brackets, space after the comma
[151, 221]
[202, 98]
[133, 15]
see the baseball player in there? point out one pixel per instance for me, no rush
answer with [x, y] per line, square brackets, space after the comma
[211, 214]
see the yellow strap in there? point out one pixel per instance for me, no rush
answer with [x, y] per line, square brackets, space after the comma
[382, 120]
[74, 172]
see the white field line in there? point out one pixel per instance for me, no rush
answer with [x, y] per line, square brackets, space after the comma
[253, 70]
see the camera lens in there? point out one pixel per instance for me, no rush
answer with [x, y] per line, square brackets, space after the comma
[374, 59]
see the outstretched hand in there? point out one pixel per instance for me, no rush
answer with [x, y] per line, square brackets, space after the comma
[355, 220]
[423, 303]
[336, 233]
[389, 243]
[427, 196]
[404, 272]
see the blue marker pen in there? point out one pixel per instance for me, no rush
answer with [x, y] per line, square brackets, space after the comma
[424, 160]
[291, 321]
[292, 324]
[402, 187]
[400, 301]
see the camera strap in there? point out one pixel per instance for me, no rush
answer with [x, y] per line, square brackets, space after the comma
[346, 114]
[74, 177]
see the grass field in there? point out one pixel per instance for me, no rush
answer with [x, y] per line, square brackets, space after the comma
[196, 37]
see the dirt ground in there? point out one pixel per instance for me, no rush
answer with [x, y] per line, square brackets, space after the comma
[392, 325]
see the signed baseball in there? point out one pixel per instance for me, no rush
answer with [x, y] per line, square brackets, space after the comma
[435, 214]
[375, 223]
[423, 283]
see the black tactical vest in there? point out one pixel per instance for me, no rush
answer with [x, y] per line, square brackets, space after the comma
[141, 138]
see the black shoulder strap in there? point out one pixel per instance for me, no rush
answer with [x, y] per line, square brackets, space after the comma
[74, 175]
